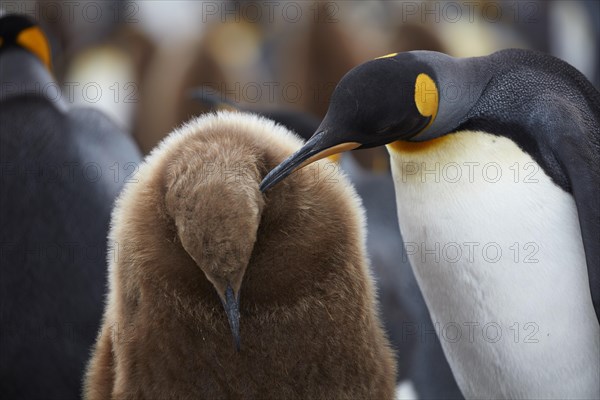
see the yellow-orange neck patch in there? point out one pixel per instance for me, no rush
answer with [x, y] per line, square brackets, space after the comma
[403, 146]
[335, 157]
[34, 40]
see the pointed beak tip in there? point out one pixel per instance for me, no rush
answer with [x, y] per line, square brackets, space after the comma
[232, 310]
[268, 182]
[293, 162]
[265, 184]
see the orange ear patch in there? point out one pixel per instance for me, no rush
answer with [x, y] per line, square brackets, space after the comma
[427, 100]
[34, 40]
[426, 96]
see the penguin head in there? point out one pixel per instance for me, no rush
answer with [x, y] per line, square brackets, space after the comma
[392, 98]
[216, 208]
[20, 31]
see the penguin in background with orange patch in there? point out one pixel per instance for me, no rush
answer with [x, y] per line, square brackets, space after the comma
[61, 171]
[208, 296]
[516, 111]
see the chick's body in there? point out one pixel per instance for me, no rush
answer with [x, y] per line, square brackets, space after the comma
[308, 321]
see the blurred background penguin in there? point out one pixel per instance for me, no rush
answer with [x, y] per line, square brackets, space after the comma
[139, 63]
[62, 168]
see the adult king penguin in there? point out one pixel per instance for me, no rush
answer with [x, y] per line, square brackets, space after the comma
[517, 320]
[61, 171]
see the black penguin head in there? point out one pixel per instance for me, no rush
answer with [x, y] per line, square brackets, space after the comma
[375, 102]
[391, 98]
[20, 31]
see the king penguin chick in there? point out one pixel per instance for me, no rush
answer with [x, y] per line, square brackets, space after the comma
[519, 320]
[62, 169]
[205, 256]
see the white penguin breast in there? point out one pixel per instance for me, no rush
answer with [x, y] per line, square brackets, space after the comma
[497, 251]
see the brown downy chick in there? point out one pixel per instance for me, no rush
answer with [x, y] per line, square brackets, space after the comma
[194, 235]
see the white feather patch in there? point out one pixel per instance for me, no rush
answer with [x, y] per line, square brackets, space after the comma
[497, 251]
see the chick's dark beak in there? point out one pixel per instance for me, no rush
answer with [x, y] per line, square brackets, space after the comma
[322, 144]
[232, 309]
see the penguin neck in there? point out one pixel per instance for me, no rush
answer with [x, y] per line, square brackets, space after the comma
[534, 99]
[518, 80]
[23, 74]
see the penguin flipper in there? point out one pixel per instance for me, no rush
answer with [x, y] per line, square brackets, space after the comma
[581, 159]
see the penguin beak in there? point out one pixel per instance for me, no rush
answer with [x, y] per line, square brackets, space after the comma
[232, 309]
[320, 145]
